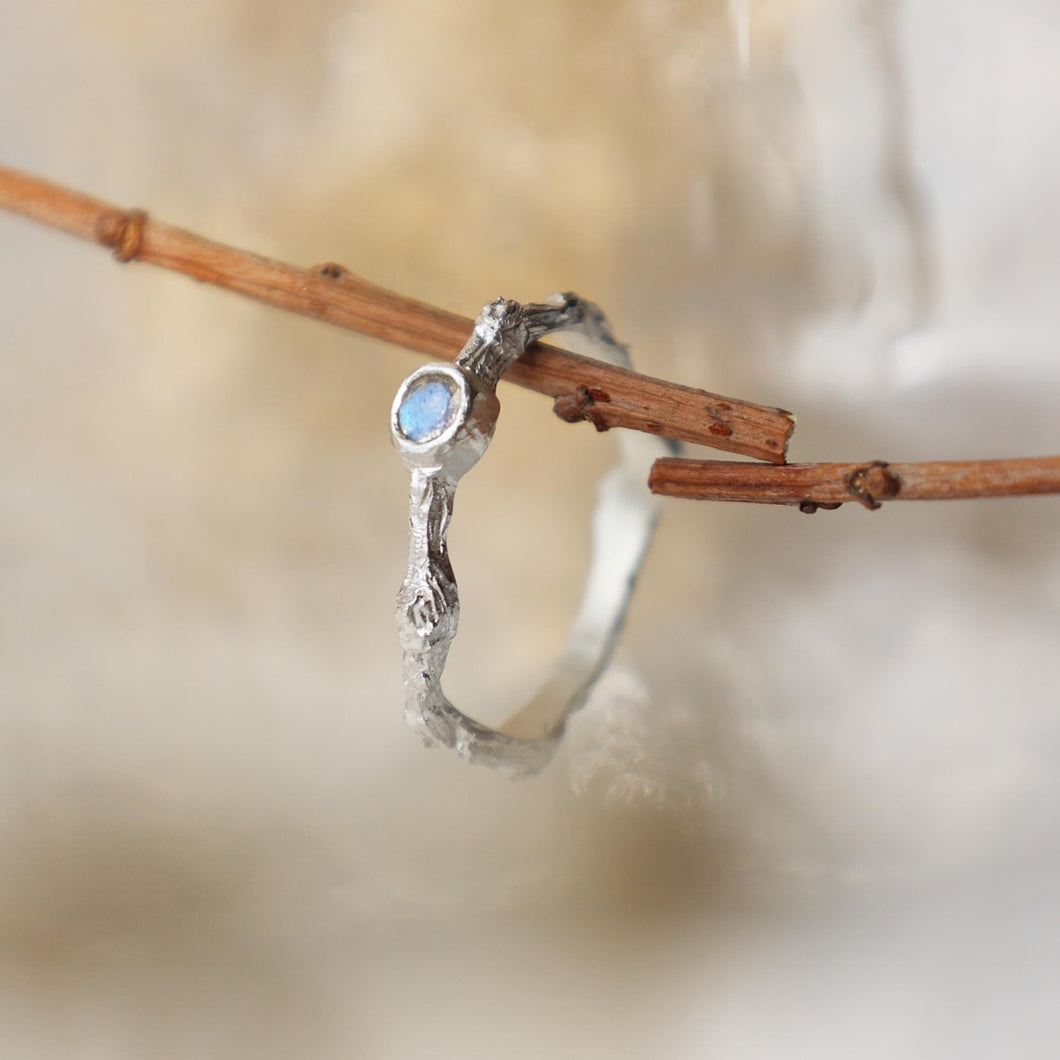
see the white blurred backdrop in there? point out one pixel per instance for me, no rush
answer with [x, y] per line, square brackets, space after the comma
[812, 811]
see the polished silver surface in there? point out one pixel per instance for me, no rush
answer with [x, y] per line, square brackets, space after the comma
[442, 421]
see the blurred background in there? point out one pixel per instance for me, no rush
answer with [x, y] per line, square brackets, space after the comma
[811, 811]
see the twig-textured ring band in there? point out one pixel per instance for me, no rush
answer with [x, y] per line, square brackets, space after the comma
[442, 420]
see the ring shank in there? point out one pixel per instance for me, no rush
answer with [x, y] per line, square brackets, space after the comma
[428, 603]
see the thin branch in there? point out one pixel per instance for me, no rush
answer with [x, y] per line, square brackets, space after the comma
[813, 486]
[581, 388]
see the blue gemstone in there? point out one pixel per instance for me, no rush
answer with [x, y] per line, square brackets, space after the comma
[424, 413]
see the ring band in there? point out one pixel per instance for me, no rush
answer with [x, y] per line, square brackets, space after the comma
[442, 420]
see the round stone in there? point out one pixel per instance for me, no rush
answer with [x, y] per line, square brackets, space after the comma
[426, 410]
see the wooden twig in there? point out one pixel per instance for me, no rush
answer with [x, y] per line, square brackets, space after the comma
[582, 389]
[813, 486]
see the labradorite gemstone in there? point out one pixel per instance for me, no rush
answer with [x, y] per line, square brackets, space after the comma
[424, 413]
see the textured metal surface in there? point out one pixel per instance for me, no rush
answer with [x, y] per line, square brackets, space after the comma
[428, 605]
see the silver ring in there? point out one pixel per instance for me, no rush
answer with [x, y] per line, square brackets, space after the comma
[442, 421]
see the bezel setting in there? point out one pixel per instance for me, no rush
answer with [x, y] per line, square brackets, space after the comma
[460, 397]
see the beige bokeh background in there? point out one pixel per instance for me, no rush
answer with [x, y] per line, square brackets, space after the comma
[813, 809]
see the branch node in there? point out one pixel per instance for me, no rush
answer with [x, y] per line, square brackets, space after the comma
[331, 270]
[123, 230]
[857, 483]
[581, 405]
